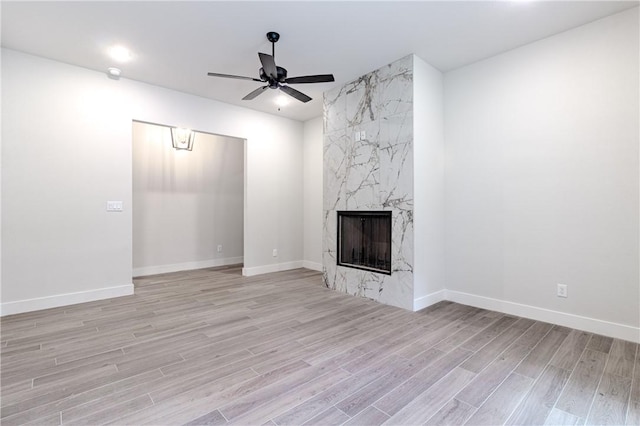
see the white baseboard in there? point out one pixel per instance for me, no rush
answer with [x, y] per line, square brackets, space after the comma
[187, 266]
[29, 305]
[611, 329]
[276, 267]
[428, 300]
[315, 266]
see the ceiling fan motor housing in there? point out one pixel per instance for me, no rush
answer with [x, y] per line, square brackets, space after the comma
[282, 76]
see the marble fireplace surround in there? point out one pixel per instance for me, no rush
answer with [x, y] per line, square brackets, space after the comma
[368, 165]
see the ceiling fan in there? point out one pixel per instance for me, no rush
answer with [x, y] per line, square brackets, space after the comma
[276, 77]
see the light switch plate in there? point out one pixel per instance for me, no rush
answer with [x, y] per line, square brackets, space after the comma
[114, 206]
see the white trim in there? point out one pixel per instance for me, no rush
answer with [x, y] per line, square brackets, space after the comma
[276, 267]
[315, 266]
[611, 329]
[428, 300]
[187, 266]
[28, 305]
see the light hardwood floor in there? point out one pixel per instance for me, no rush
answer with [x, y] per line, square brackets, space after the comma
[213, 347]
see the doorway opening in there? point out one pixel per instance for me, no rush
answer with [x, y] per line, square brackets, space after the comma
[188, 205]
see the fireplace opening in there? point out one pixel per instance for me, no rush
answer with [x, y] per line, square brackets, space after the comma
[364, 240]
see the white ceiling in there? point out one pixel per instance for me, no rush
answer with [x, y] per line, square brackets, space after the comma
[176, 43]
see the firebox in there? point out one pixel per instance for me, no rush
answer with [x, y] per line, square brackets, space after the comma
[364, 240]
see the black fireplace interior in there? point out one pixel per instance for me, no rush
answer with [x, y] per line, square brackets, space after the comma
[364, 240]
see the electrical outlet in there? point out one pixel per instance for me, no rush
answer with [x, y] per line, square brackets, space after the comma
[275, 252]
[562, 290]
[356, 136]
[363, 136]
[220, 248]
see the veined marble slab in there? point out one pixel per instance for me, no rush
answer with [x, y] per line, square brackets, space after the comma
[371, 173]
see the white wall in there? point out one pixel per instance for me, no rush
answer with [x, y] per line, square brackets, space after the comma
[312, 177]
[428, 169]
[186, 203]
[66, 151]
[542, 178]
[66, 138]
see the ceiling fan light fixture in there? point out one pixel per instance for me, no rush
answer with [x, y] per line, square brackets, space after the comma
[182, 139]
[281, 101]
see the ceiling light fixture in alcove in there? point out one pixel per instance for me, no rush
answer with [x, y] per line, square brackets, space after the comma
[182, 139]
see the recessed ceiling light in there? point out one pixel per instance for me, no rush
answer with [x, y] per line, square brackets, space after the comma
[281, 101]
[114, 72]
[120, 53]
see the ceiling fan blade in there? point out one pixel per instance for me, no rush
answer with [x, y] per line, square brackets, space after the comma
[239, 77]
[268, 65]
[321, 78]
[255, 93]
[294, 93]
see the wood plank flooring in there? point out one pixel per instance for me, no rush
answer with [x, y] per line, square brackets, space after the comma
[213, 347]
